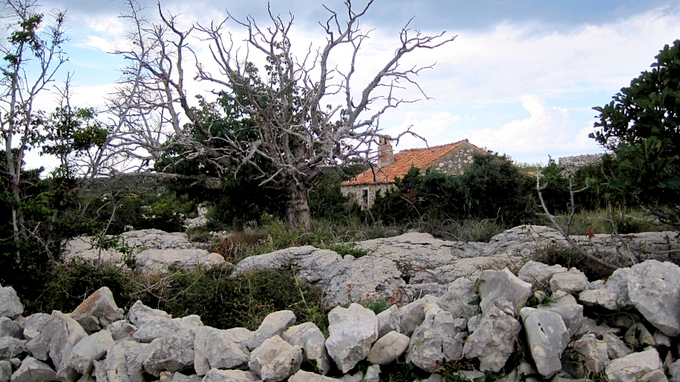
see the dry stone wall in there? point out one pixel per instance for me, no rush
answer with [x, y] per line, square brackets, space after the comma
[623, 329]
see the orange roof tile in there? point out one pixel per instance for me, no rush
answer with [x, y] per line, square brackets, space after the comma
[403, 160]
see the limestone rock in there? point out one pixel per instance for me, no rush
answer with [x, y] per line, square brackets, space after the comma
[654, 290]
[33, 370]
[473, 323]
[34, 324]
[343, 279]
[616, 348]
[591, 326]
[352, 331]
[539, 274]
[169, 353]
[5, 370]
[159, 328]
[11, 328]
[460, 299]
[642, 366]
[311, 340]
[439, 337]
[661, 339]
[56, 341]
[160, 260]
[214, 349]
[216, 375]
[272, 325]
[614, 294]
[122, 330]
[11, 347]
[594, 351]
[388, 348]
[493, 340]
[238, 335]
[123, 363]
[140, 313]
[89, 349]
[285, 258]
[305, 376]
[388, 320]
[547, 336]
[365, 278]
[419, 249]
[413, 314]
[275, 359]
[566, 306]
[179, 377]
[10, 306]
[372, 375]
[573, 281]
[674, 371]
[638, 336]
[97, 311]
[496, 284]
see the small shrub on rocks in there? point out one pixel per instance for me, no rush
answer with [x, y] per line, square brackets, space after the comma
[242, 301]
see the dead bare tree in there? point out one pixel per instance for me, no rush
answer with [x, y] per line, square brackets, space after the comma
[308, 112]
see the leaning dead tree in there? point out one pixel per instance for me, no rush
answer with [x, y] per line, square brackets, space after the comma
[304, 112]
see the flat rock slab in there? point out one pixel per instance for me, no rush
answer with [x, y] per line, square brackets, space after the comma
[654, 290]
[640, 366]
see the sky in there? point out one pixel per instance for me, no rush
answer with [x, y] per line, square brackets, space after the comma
[521, 77]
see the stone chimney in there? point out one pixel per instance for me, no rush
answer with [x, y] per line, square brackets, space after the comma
[385, 155]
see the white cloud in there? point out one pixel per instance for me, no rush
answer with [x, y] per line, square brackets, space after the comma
[511, 60]
[546, 130]
[426, 125]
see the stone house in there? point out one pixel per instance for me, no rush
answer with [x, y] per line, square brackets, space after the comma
[452, 159]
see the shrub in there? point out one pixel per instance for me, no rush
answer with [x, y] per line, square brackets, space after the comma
[491, 188]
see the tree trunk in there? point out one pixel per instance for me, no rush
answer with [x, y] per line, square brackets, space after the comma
[297, 212]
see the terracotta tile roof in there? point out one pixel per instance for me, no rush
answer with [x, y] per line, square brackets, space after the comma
[403, 160]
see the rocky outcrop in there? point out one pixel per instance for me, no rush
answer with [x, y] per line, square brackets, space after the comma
[560, 340]
[150, 250]
[406, 267]
[401, 268]
[453, 302]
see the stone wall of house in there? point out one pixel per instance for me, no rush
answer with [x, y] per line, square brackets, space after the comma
[456, 161]
[364, 194]
[571, 164]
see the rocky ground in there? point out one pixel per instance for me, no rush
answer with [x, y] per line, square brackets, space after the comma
[480, 321]
[481, 303]
[402, 268]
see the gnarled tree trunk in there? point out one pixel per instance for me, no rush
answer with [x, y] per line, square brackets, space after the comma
[297, 212]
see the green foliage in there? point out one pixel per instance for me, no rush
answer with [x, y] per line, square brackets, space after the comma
[115, 211]
[241, 301]
[343, 249]
[568, 258]
[589, 184]
[46, 211]
[70, 283]
[491, 188]
[326, 200]
[642, 126]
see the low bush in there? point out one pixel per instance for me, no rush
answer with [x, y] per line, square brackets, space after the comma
[491, 188]
[220, 298]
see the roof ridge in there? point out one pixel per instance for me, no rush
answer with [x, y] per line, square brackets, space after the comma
[432, 147]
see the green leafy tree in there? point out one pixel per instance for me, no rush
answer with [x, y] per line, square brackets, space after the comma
[641, 125]
[32, 56]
